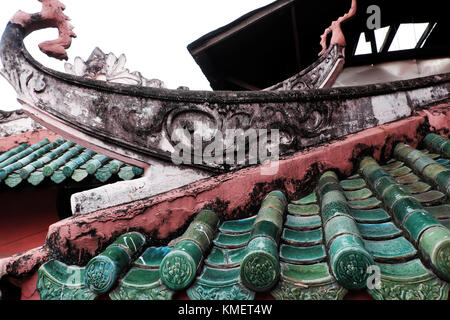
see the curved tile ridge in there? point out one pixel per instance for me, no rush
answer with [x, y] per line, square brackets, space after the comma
[143, 281]
[422, 164]
[430, 236]
[348, 257]
[260, 268]
[57, 281]
[409, 281]
[220, 278]
[438, 144]
[305, 274]
[102, 271]
[179, 267]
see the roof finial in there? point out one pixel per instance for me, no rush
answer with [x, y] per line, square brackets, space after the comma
[337, 34]
[51, 16]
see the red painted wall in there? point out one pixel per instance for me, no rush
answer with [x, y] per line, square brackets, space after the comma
[24, 219]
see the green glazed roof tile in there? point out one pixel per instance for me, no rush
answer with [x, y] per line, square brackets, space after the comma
[318, 273]
[440, 212]
[443, 162]
[393, 165]
[379, 231]
[302, 255]
[434, 156]
[377, 215]
[430, 197]
[225, 258]
[354, 184]
[152, 257]
[309, 199]
[398, 249]
[360, 194]
[303, 223]
[24, 153]
[445, 222]
[237, 226]
[58, 161]
[302, 238]
[400, 172]
[408, 179]
[355, 176]
[418, 187]
[303, 210]
[228, 241]
[365, 204]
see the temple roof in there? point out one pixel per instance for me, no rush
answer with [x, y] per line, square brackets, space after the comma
[270, 44]
[59, 161]
[394, 216]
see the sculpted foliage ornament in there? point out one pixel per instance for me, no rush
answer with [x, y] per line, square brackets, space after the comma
[433, 289]
[287, 290]
[56, 281]
[236, 291]
[107, 67]
[156, 291]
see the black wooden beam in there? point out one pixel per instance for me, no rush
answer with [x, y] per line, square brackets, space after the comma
[296, 36]
[389, 38]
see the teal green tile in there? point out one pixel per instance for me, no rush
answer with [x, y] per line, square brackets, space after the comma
[225, 258]
[355, 176]
[302, 238]
[303, 222]
[309, 199]
[349, 261]
[266, 229]
[339, 225]
[408, 179]
[443, 162]
[303, 210]
[404, 207]
[306, 274]
[365, 204]
[152, 257]
[377, 215]
[228, 241]
[434, 155]
[260, 268]
[354, 184]
[334, 208]
[419, 221]
[398, 249]
[379, 231]
[440, 212]
[360, 194]
[432, 197]
[302, 255]
[400, 172]
[393, 165]
[418, 187]
[445, 222]
[237, 226]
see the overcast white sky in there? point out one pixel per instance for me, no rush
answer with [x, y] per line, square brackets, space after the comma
[153, 34]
